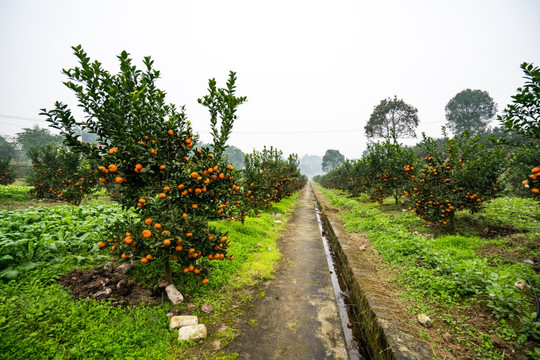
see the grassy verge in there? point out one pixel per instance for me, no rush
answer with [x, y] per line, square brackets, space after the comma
[464, 281]
[16, 197]
[40, 319]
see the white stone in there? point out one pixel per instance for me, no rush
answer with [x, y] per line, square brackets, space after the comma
[521, 284]
[193, 332]
[174, 295]
[177, 322]
[424, 320]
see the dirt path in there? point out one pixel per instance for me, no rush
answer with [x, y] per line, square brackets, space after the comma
[297, 318]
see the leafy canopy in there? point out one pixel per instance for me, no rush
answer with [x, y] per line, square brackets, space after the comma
[332, 159]
[523, 115]
[470, 110]
[392, 119]
[35, 137]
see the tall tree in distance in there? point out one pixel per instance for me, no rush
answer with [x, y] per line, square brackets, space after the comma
[35, 137]
[523, 115]
[392, 119]
[470, 110]
[332, 159]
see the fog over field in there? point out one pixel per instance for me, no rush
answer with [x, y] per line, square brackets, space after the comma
[312, 70]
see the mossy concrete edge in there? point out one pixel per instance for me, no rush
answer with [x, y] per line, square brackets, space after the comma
[387, 338]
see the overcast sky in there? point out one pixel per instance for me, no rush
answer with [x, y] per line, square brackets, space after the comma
[312, 70]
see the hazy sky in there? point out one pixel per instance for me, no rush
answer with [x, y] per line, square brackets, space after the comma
[312, 70]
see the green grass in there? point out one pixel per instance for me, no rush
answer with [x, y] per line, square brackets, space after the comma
[17, 197]
[14, 193]
[40, 319]
[438, 268]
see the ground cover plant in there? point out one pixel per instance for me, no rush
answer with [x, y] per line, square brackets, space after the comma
[41, 319]
[14, 193]
[469, 282]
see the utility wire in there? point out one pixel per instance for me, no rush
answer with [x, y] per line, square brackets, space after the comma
[19, 118]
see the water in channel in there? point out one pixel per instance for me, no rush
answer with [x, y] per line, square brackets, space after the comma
[354, 336]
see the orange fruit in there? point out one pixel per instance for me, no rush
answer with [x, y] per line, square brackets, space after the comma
[535, 191]
[205, 281]
[102, 244]
[118, 180]
[194, 206]
[148, 221]
[128, 240]
[157, 226]
[112, 168]
[149, 257]
[146, 234]
[194, 175]
[144, 260]
[535, 170]
[124, 256]
[230, 167]
[178, 248]
[166, 242]
[170, 132]
[162, 167]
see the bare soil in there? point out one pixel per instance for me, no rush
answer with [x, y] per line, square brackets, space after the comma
[107, 284]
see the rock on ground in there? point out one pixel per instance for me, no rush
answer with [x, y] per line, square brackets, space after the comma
[192, 332]
[177, 322]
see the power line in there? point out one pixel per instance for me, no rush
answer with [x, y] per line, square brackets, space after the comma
[247, 132]
[19, 118]
[294, 132]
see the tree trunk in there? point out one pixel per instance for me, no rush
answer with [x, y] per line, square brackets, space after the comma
[167, 269]
[453, 221]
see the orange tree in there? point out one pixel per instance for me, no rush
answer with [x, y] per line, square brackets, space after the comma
[461, 176]
[149, 158]
[341, 178]
[61, 174]
[390, 169]
[6, 171]
[533, 183]
[268, 178]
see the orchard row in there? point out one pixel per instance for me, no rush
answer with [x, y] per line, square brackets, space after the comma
[438, 179]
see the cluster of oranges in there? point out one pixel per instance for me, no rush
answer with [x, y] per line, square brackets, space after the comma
[534, 181]
[183, 187]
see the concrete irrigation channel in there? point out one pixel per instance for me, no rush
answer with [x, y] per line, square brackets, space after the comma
[317, 306]
[382, 318]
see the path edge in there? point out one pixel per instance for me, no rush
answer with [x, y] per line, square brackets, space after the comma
[386, 338]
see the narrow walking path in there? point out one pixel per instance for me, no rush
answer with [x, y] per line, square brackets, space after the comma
[297, 318]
